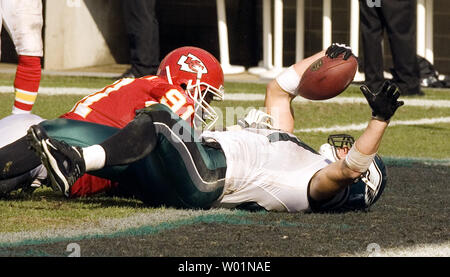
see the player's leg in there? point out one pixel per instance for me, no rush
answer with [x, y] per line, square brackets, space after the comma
[191, 173]
[26, 83]
[17, 159]
[24, 22]
[135, 141]
[79, 133]
[71, 135]
[401, 29]
[371, 36]
[195, 171]
[59, 143]
[20, 167]
[143, 35]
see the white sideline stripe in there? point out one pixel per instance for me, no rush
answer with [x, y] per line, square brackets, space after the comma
[420, 250]
[338, 100]
[362, 126]
[242, 97]
[260, 97]
[106, 226]
[55, 90]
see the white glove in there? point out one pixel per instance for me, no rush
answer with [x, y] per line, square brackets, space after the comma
[256, 119]
[328, 151]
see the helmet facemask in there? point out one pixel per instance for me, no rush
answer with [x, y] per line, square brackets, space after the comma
[366, 189]
[205, 115]
[335, 142]
[339, 141]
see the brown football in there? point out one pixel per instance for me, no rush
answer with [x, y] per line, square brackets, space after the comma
[327, 78]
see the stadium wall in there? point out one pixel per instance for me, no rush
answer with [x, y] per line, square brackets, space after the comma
[83, 33]
[80, 33]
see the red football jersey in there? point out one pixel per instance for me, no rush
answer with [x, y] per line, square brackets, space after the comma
[116, 105]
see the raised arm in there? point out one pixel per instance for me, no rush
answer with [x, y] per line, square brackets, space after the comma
[281, 91]
[327, 182]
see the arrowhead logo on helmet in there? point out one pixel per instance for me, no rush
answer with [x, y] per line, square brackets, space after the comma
[200, 75]
[192, 64]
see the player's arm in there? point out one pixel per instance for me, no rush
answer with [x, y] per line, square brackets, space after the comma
[332, 179]
[327, 182]
[281, 91]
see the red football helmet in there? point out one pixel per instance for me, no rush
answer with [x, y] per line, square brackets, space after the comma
[200, 75]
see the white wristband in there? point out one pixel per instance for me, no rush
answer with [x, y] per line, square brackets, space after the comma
[358, 161]
[289, 80]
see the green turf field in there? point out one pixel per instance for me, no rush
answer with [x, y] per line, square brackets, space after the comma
[413, 211]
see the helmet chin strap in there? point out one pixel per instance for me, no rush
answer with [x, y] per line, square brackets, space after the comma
[194, 94]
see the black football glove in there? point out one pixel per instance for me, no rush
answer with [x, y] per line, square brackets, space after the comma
[337, 49]
[384, 102]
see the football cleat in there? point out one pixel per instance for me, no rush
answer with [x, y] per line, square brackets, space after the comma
[64, 163]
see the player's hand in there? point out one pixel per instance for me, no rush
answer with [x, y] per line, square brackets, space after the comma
[337, 49]
[384, 102]
[256, 119]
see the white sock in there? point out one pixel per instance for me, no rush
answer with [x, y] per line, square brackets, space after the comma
[16, 110]
[94, 157]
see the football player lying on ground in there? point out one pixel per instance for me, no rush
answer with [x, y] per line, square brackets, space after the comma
[178, 85]
[271, 169]
[187, 81]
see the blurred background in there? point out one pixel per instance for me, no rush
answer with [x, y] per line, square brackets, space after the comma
[88, 33]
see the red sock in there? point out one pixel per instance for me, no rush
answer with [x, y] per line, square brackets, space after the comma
[26, 83]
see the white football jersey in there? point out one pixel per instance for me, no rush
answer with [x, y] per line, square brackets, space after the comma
[15, 126]
[269, 167]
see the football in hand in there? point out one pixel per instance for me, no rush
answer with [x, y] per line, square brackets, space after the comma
[327, 78]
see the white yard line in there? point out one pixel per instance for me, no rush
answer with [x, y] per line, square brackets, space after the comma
[243, 97]
[339, 100]
[362, 126]
[108, 226]
[260, 97]
[55, 90]
[420, 250]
